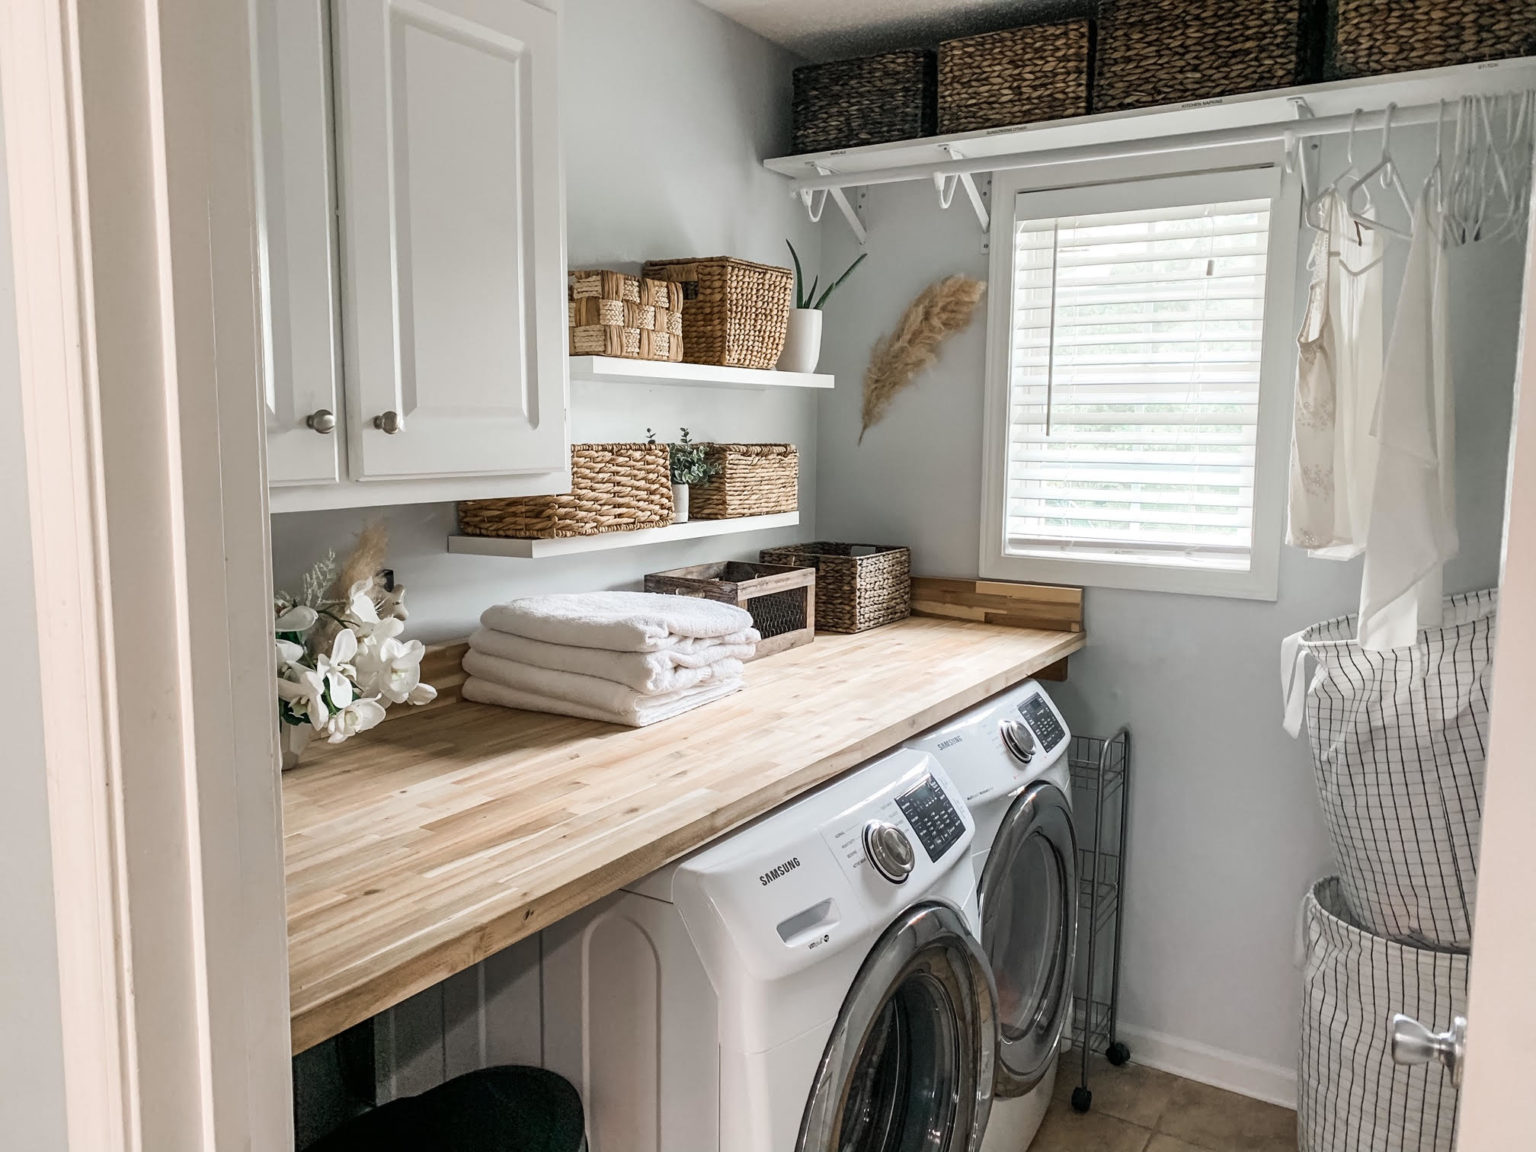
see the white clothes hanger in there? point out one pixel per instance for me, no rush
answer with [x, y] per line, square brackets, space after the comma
[1314, 208]
[1391, 179]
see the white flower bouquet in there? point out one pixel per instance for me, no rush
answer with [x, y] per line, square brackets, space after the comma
[340, 659]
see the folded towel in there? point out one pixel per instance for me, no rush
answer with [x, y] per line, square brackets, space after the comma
[642, 710]
[609, 695]
[648, 672]
[619, 621]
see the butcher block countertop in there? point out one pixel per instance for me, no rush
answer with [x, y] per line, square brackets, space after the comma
[422, 847]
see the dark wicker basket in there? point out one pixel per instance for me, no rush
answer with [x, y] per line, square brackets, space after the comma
[1370, 37]
[1017, 76]
[871, 100]
[858, 586]
[614, 488]
[735, 312]
[1153, 52]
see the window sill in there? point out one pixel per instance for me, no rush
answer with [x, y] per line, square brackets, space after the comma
[1260, 582]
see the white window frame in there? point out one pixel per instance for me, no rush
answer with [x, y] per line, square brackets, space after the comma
[1033, 195]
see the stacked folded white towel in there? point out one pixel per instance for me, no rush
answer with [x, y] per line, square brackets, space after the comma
[625, 657]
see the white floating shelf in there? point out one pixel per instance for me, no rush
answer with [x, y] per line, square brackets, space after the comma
[614, 370]
[571, 545]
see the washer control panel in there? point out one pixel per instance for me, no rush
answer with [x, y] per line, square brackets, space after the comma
[1041, 718]
[932, 816]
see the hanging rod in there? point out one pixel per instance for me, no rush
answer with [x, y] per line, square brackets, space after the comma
[1279, 131]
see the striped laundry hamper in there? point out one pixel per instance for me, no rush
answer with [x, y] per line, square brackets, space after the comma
[1398, 751]
[1351, 1097]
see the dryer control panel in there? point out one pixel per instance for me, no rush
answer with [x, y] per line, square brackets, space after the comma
[1042, 721]
[932, 817]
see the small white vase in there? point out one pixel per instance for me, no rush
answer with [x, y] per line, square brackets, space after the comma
[802, 342]
[293, 738]
[679, 503]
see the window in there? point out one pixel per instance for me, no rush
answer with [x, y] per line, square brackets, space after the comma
[1139, 349]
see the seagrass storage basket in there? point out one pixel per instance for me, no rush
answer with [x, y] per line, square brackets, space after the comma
[1370, 37]
[858, 586]
[781, 598]
[1017, 76]
[614, 488]
[871, 100]
[735, 313]
[1171, 51]
[611, 314]
[753, 480]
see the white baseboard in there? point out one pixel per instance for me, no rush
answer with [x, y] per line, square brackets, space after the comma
[1195, 1061]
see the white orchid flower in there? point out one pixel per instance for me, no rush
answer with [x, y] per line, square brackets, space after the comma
[288, 653]
[306, 695]
[422, 694]
[364, 614]
[299, 618]
[393, 669]
[358, 716]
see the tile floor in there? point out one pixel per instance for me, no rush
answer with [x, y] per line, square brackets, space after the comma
[1138, 1109]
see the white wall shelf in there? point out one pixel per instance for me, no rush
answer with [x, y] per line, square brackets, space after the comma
[571, 545]
[614, 370]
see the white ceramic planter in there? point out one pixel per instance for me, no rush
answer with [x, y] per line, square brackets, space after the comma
[802, 343]
[679, 503]
[293, 739]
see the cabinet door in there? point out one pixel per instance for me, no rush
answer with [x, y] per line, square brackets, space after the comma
[452, 235]
[298, 243]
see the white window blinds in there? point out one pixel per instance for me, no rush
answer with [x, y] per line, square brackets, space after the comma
[1134, 385]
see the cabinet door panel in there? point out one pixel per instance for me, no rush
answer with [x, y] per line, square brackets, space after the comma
[452, 237]
[298, 242]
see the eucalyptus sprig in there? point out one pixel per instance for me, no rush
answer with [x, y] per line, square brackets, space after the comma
[806, 297]
[689, 462]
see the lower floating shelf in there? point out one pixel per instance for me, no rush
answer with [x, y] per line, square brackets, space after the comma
[571, 545]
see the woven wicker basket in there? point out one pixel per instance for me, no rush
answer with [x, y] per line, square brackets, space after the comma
[614, 488]
[1170, 51]
[754, 480]
[1375, 36]
[858, 586]
[735, 313]
[871, 100]
[1017, 76]
[611, 314]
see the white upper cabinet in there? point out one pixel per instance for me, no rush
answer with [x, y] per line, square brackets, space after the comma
[452, 239]
[302, 372]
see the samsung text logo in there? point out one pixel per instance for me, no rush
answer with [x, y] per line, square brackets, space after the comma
[773, 874]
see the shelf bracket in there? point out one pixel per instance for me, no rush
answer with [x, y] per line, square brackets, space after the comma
[945, 182]
[840, 198]
[1301, 150]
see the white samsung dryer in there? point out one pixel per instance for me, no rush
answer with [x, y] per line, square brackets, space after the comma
[1008, 756]
[812, 982]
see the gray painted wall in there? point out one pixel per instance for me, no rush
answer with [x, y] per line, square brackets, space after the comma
[1225, 828]
[32, 1051]
[667, 109]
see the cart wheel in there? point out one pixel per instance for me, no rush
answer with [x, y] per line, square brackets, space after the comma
[1082, 1099]
[1117, 1054]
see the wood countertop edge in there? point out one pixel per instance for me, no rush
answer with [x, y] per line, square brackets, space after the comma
[340, 1008]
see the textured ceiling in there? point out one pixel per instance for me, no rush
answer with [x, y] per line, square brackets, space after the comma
[830, 29]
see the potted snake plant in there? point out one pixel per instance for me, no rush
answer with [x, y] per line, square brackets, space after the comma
[802, 341]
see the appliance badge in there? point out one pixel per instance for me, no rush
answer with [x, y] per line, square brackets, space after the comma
[775, 872]
[950, 743]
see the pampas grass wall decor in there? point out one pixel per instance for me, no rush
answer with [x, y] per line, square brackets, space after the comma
[941, 310]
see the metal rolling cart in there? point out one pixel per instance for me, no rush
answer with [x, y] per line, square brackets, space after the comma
[1101, 771]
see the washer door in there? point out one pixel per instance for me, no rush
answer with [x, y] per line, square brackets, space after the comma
[1028, 900]
[910, 1062]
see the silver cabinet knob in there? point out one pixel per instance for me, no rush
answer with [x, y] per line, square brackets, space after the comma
[1019, 740]
[888, 850]
[1412, 1043]
[322, 420]
[389, 423]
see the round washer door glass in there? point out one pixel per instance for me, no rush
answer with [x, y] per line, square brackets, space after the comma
[1028, 901]
[909, 1065]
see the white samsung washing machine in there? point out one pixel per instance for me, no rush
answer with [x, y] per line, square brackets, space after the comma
[813, 982]
[1009, 758]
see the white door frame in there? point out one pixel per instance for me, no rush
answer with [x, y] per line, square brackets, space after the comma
[128, 133]
[1496, 1109]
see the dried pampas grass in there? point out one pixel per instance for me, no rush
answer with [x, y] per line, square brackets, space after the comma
[364, 561]
[942, 309]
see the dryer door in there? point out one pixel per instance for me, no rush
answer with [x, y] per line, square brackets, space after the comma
[909, 1065]
[1028, 898]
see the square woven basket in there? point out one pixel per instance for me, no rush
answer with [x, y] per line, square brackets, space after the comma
[1017, 76]
[858, 586]
[871, 100]
[735, 313]
[753, 480]
[1371, 37]
[611, 314]
[614, 488]
[1152, 52]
